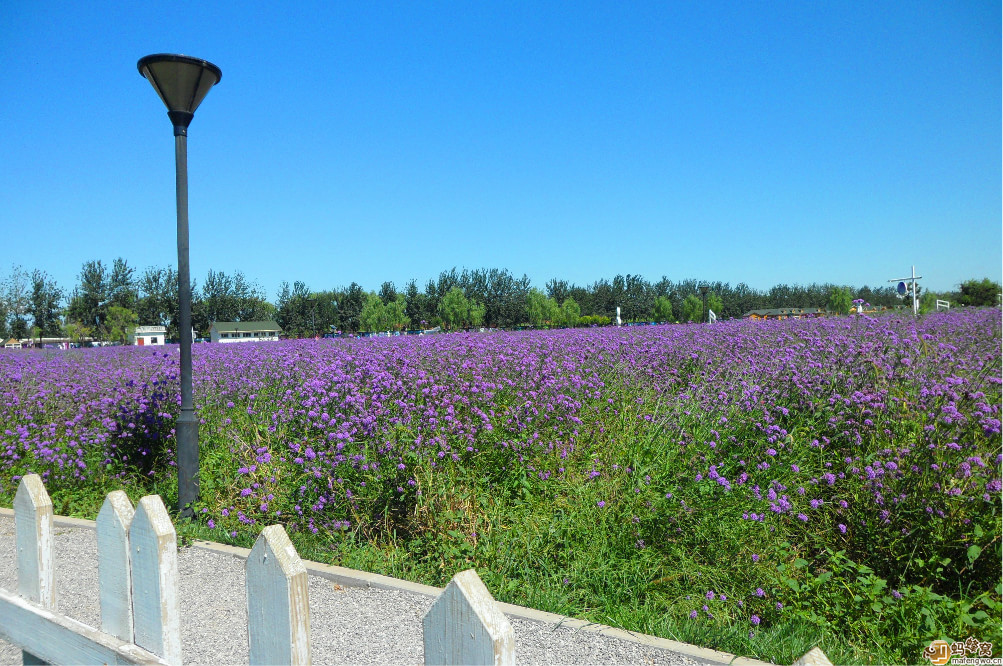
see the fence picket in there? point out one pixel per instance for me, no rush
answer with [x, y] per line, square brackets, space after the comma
[154, 566]
[36, 574]
[114, 576]
[278, 607]
[140, 606]
[465, 626]
[63, 640]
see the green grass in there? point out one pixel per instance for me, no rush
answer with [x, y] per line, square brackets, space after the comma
[551, 546]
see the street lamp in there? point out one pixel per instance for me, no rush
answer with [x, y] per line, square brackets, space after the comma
[182, 83]
[703, 291]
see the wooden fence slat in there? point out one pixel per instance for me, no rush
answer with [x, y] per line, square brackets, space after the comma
[278, 606]
[465, 626]
[63, 640]
[36, 578]
[154, 564]
[36, 574]
[114, 576]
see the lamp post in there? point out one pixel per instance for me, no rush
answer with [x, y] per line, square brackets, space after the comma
[182, 83]
[703, 291]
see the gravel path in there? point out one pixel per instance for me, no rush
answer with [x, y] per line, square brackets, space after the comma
[349, 625]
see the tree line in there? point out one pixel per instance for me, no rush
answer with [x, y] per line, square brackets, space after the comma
[107, 301]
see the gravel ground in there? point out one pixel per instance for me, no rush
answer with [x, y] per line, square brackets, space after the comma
[349, 625]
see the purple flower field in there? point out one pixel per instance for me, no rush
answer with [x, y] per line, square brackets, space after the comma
[869, 442]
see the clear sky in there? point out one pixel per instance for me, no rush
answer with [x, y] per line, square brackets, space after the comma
[765, 143]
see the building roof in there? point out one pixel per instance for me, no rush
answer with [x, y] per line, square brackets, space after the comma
[140, 330]
[245, 326]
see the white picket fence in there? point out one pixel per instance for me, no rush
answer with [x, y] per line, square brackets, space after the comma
[140, 608]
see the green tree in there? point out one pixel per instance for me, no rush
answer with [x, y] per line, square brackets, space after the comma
[454, 309]
[692, 309]
[158, 299]
[295, 310]
[570, 313]
[121, 322]
[4, 332]
[715, 304]
[541, 309]
[975, 293]
[396, 313]
[379, 316]
[663, 309]
[16, 295]
[840, 300]
[45, 298]
[388, 293]
[76, 332]
[325, 309]
[419, 308]
[638, 298]
[232, 298]
[373, 316]
[89, 302]
[476, 313]
[350, 306]
[928, 302]
[122, 289]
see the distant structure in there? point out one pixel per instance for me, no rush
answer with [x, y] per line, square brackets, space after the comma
[811, 313]
[244, 331]
[786, 313]
[904, 289]
[12, 343]
[149, 335]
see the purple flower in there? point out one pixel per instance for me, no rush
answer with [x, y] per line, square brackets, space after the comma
[693, 615]
[754, 620]
[600, 504]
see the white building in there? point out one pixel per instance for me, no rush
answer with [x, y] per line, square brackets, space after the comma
[149, 335]
[244, 331]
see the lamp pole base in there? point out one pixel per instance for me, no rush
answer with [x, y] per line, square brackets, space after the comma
[187, 429]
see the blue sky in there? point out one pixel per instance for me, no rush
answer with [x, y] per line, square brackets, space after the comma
[749, 142]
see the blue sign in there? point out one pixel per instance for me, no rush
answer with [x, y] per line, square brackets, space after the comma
[901, 288]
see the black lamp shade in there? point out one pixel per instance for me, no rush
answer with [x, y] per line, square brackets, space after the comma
[181, 81]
